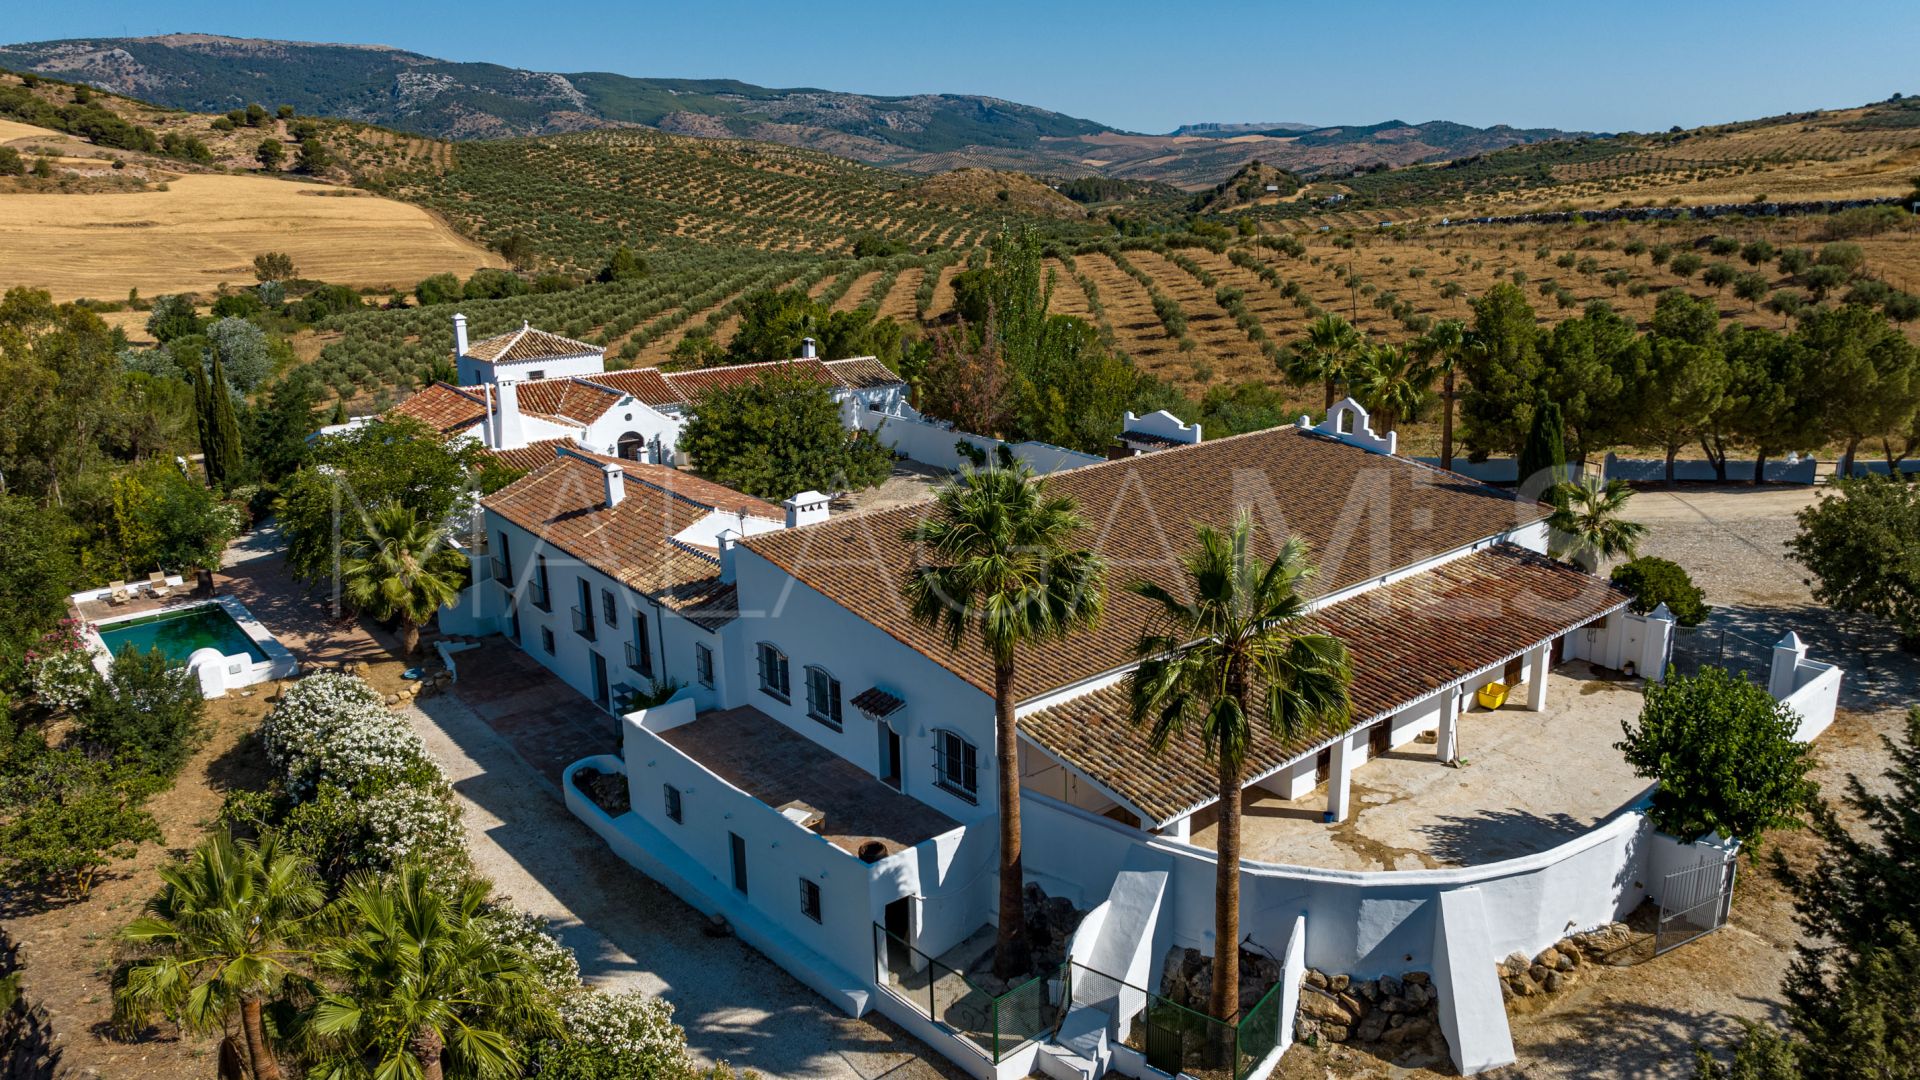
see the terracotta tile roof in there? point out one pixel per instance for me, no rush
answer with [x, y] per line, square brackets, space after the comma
[877, 703]
[1406, 640]
[862, 372]
[563, 503]
[1362, 515]
[690, 384]
[443, 407]
[644, 384]
[573, 399]
[531, 456]
[708, 603]
[688, 486]
[526, 343]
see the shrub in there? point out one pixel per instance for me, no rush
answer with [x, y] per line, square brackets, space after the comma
[147, 712]
[59, 669]
[1724, 754]
[68, 817]
[334, 729]
[1654, 581]
[615, 1037]
[553, 963]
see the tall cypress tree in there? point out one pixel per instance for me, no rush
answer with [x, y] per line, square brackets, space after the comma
[221, 442]
[1545, 451]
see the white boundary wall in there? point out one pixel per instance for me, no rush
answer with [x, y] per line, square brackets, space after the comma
[931, 442]
[1506, 470]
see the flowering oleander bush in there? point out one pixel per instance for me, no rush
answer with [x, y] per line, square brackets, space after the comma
[410, 822]
[333, 729]
[624, 1036]
[361, 791]
[59, 668]
[554, 963]
[309, 711]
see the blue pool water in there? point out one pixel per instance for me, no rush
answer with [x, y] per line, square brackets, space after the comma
[178, 634]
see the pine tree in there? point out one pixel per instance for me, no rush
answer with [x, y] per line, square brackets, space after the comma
[220, 438]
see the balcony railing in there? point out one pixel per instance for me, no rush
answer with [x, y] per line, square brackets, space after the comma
[639, 659]
[537, 596]
[502, 573]
[583, 623]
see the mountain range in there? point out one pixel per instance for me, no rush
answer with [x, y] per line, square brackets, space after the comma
[412, 92]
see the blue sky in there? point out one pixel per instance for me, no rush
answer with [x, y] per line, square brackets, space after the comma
[1151, 66]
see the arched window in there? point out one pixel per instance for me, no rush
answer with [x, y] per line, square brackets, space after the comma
[632, 446]
[956, 764]
[823, 697]
[773, 672]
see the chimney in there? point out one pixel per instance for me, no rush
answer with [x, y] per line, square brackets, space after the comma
[616, 482]
[459, 335]
[806, 508]
[809, 349]
[509, 433]
[727, 541]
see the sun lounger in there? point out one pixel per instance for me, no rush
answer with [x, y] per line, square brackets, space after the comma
[157, 584]
[117, 592]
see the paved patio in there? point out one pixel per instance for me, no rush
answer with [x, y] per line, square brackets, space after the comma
[783, 768]
[548, 723]
[1527, 782]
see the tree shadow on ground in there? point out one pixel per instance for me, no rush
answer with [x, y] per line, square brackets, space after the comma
[1491, 835]
[1879, 674]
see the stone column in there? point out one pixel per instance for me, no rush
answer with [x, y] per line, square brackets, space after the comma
[1340, 779]
[1537, 677]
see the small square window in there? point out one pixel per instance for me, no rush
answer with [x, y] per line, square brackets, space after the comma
[810, 899]
[703, 664]
[546, 640]
[673, 802]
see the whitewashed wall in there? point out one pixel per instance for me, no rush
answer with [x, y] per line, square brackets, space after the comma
[811, 629]
[931, 442]
[1506, 470]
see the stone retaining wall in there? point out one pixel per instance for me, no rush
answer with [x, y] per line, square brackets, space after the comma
[1565, 963]
[1398, 1018]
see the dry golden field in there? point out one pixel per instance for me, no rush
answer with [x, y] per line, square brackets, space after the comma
[205, 230]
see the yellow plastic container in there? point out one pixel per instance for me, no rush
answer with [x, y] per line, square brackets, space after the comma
[1492, 696]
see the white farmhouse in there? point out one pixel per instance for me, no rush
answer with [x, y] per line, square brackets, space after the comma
[531, 388]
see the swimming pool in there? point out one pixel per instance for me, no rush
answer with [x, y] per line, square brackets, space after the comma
[178, 634]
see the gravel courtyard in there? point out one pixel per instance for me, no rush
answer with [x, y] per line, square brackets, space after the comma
[1642, 1021]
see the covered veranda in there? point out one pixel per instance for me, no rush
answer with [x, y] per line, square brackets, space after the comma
[1421, 649]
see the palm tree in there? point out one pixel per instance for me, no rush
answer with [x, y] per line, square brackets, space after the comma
[224, 931]
[1325, 354]
[1389, 383]
[425, 989]
[1586, 528]
[1443, 347]
[1001, 564]
[1202, 663]
[401, 569]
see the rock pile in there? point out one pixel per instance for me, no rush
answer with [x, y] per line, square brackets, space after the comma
[1188, 978]
[1400, 1015]
[1050, 920]
[1564, 963]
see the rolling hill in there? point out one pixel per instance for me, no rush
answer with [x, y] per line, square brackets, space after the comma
[922, 133]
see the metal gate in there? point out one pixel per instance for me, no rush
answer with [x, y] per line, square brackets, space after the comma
[1695, 902]
[1697, 647]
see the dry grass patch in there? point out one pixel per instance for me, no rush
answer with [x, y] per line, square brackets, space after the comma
[205, 230]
